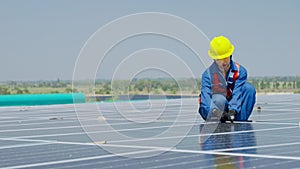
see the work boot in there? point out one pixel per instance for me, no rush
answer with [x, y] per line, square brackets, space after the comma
[215, 115]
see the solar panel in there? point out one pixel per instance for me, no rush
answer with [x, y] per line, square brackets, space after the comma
[149, 134]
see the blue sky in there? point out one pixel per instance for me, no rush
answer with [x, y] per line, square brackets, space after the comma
[41, 40]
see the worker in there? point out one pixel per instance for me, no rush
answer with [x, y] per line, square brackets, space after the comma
[225, 93]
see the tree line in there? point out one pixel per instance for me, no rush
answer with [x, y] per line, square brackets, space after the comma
[276, 84]
[143, 86]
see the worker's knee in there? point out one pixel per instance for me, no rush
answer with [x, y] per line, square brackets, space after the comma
[249, 89]
[219, 100]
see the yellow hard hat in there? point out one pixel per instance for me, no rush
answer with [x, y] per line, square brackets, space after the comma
[220, 48]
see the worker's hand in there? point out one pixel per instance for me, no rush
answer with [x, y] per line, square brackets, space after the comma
[228, 116]
[232, 114]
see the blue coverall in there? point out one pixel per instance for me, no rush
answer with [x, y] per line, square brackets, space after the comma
[243, 94]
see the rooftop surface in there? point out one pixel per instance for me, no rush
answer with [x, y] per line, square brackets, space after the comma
[149, 134]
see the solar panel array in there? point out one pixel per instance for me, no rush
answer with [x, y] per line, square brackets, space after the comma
[149, 134]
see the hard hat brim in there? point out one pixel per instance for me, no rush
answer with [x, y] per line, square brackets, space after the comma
[223, 56]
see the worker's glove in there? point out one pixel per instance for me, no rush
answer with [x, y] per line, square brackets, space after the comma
[228, 116]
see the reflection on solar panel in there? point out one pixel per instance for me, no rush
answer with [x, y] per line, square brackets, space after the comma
[149, 134]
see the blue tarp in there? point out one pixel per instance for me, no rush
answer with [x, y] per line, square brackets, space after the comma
[41, 99]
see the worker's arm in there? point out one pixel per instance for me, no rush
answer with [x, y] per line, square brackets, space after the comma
[206, 94]
[235, 102]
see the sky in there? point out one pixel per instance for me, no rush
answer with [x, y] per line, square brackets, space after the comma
[42, 40]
